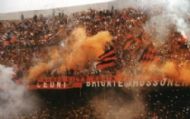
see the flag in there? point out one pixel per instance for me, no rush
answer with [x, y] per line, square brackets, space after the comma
[107, 60]
[149, 55]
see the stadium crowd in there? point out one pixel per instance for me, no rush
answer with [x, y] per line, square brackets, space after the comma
[23, 41]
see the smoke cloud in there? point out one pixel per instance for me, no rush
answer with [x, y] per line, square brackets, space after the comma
[78, 51]
[173, 14]
[164, 15]
[125, 104]
[158, 71]
[14, 98]
[179, 72]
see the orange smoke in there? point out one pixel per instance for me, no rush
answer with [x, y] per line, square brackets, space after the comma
[170, 69]
[156, 71]
[84, 49]
[79, 51]
[37, 70]
[177, 71]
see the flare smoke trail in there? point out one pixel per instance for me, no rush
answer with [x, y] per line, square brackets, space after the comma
[14, 98]
[174, 13]
[164, 15]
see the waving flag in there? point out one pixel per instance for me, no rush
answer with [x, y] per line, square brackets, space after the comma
[107, 60]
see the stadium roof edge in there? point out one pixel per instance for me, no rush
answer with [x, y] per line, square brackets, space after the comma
[47, 12]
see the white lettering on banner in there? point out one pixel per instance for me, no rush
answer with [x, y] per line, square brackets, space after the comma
[134, 83]
[129, 83]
